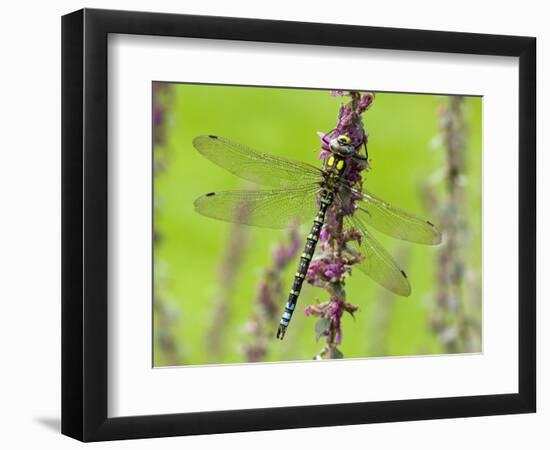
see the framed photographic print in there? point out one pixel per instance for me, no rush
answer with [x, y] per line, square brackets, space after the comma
[266, 224]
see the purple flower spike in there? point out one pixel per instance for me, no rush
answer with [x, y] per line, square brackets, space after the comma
[268, 293]
[333, 263]
[366, 101]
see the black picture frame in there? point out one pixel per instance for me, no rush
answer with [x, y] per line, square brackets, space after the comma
[84, 224]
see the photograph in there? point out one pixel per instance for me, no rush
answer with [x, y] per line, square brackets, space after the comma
[300, 224]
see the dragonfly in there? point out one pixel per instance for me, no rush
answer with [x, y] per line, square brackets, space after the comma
[297, 192]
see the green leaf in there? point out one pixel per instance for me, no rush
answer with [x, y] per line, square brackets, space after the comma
[351, 313]
[321, 326]
[336, 354]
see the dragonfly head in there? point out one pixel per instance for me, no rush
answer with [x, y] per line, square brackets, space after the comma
[342, 145]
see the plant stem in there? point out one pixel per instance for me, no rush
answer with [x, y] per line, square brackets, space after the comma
[456, 328]
[166, 315]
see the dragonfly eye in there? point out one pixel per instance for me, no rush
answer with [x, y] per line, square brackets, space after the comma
[344, 139]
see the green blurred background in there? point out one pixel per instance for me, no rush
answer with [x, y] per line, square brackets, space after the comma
[406, 152]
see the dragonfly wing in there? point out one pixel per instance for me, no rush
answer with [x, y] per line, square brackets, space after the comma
[395, 222]
[275, 208]
[377, 262]
[252, 165]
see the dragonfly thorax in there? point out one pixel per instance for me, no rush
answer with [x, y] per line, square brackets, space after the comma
[334, 167]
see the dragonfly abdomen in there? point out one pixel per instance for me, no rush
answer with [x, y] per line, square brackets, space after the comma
[305, 260]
